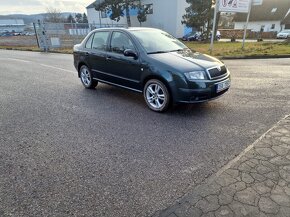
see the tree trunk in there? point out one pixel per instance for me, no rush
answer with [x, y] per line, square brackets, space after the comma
[128, 15]
[208, 26]
[216, 24]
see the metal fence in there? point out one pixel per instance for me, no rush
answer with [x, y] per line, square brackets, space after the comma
[52, 36]
[63, 35]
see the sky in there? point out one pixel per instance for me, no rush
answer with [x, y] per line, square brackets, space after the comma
[40, 6]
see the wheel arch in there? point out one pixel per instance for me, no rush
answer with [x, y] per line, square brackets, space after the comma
[79, 67]
[160, 78]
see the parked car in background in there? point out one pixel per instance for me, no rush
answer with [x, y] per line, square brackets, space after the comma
[284, 34]
[6, 34]
[152, 62]
[192, 36]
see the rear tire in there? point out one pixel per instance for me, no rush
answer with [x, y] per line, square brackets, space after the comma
[87, 78]
[156, 95]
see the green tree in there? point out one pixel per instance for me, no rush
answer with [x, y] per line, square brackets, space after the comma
[79, 18]
[85, 18]
[117, 8]
[70, 19]
[142, 13]
[199, 15]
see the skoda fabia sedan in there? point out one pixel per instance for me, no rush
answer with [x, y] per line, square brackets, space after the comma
[152, 62]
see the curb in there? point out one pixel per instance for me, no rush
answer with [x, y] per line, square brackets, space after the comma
[256, 57]
[182, 203]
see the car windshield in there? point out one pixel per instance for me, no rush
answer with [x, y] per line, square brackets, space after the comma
[286, 31]
[156, 41]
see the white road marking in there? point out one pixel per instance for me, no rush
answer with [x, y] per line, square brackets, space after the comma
[25, 61]
[53, 67]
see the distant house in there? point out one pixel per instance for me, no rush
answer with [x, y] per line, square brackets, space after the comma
[163, 14]
[268, 16]
[12, 25]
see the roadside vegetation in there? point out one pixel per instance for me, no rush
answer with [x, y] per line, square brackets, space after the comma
[221, 49]
[234, 49]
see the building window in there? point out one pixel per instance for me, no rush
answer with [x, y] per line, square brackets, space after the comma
[273, 26]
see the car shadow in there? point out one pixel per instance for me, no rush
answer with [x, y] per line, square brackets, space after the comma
[123, 98]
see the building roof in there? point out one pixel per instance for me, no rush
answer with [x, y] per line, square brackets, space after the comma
[270, 10]
[14, 22]
[287, 18]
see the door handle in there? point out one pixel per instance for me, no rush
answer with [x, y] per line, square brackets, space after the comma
[87, 53]
[108, 58]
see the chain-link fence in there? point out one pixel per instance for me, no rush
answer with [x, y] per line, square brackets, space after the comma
[53, 36]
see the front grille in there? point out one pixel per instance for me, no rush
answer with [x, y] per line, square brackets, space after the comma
[216, 72]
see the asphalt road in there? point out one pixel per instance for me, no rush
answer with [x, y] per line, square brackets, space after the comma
[68, 151]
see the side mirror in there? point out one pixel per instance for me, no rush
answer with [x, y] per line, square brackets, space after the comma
[130, 53]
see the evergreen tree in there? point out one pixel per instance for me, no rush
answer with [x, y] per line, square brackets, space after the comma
[142, 13]
[70, 19]
[199, 15]
[79, 18]
[117, 8]
[85, 18]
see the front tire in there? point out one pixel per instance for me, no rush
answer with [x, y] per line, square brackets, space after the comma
[87, 78]
[156, 95]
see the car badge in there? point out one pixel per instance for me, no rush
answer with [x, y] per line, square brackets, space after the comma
[219, 68]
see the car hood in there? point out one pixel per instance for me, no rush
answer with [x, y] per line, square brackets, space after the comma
[186, 61]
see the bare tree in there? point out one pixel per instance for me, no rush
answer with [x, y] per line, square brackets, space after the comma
[53, 15]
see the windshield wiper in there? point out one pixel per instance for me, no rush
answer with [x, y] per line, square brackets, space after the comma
[176, 50]
[156, 52]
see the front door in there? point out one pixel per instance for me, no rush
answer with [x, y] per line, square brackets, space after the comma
[124, 71]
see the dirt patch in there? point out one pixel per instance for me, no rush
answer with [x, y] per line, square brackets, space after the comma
[18, 41]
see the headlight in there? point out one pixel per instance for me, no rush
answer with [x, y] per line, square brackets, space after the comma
[195, 75]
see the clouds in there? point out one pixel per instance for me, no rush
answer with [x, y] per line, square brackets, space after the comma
[40, 6]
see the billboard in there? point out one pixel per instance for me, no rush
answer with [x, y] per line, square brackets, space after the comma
[241, 6]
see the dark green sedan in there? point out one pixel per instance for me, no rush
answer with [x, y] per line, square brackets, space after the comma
[152, 62]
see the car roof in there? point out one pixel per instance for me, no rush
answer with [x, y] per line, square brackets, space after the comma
[127, 29]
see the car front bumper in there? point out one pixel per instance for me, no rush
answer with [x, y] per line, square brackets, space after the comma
[202, 91]
[282, 37]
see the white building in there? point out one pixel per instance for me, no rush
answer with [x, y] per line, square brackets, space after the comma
[12, 25]
[268, 16]
[164, 14]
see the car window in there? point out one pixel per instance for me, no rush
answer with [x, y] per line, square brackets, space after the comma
[100, 40]
[155, 41]
[120, 42]
[89, 42]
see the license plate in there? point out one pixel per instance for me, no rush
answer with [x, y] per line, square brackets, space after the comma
[223, 85]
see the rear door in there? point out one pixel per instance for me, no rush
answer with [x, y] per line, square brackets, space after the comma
[98, 54]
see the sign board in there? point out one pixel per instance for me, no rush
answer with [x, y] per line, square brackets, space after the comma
[240, 6]
[55, 42]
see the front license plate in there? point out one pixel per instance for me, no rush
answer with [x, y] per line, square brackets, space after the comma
[223, 85]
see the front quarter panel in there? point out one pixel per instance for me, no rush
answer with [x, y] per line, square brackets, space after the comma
[158, 70]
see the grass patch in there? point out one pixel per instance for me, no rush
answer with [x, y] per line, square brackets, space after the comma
[221, 49]
[229, 49]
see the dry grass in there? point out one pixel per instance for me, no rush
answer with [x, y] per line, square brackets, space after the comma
[221, 49]
[229, 49]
